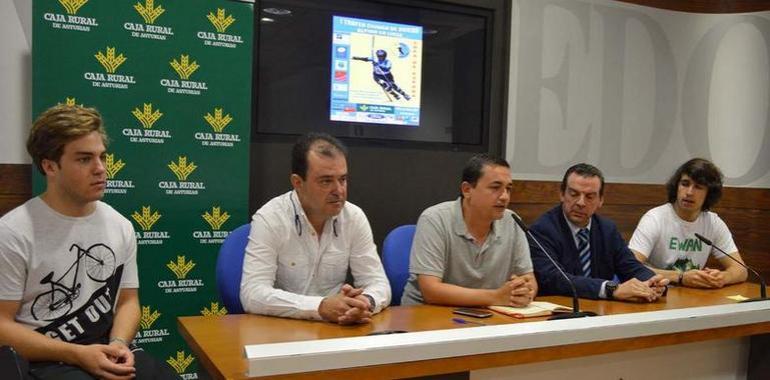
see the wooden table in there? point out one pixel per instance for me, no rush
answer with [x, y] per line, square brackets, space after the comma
[219, 341]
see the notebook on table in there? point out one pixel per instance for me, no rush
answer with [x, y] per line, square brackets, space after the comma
[534, 309]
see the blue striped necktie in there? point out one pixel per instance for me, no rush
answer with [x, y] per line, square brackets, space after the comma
[584, 250]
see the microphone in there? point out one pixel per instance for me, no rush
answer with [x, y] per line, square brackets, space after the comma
[576, 313]
[762, 285]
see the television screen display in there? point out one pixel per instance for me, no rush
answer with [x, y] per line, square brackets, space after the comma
[415, 72]
[376, 70]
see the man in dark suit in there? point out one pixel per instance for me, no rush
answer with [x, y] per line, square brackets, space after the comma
[588, 247]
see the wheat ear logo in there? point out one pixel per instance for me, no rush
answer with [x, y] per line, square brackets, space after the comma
[220, 22]
[147, 116]
[71, 102]
[218, 122]
[147, 218]
[216, 218]
[181, 168]
[112, 166]
[148, 318]
[181, 267]
[181, 362]
[149, 11]
[183, 67]
[110, 61]
[214, 311]
[72, 6]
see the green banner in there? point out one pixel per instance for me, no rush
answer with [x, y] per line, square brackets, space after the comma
[172, 80]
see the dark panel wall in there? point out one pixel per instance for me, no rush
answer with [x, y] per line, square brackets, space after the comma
[392, 185]
[394, 182]
[15, 185]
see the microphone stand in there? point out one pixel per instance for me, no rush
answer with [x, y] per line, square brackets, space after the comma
[576, 313]
[762, 285]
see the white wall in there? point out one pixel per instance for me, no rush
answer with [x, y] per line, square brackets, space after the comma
[637, 91]
[16, 79]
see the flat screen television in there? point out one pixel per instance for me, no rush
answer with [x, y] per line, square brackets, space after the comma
[401, 72]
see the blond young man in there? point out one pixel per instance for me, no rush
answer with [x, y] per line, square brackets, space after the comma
[68, 288]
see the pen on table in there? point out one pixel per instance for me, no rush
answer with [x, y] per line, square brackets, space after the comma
[465, 321]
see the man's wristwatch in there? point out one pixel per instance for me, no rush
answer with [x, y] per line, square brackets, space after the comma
[371, 302]
[609, 289]
[680, 281]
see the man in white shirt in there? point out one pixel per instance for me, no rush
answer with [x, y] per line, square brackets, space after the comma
[302, 243]
[665, 237]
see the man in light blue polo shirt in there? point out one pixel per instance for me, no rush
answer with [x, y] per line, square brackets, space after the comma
[469, 252]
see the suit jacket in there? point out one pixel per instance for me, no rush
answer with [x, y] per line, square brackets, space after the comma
[610, 256]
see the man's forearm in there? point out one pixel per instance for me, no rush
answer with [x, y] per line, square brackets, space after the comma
[266, 300]
[126, 322]
[671, 275]
[735, 274]
[127, 314]
[449, 294]
[34, 346]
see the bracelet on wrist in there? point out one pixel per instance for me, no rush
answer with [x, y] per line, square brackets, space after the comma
[680, 281]
[119, 340]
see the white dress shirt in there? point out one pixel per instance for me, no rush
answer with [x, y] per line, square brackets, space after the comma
[287, 270]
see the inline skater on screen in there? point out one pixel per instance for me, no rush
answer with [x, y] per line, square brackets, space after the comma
[381, 74]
